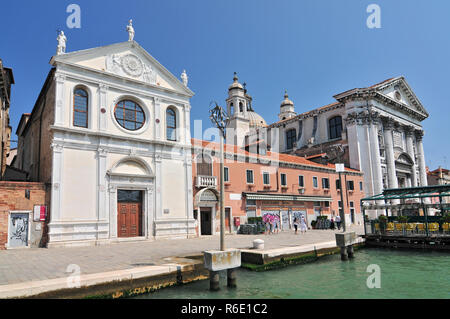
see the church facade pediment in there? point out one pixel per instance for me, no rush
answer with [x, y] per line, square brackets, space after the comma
[399, 91]
[126, 60]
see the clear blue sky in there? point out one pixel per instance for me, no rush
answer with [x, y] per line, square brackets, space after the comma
[314, 49]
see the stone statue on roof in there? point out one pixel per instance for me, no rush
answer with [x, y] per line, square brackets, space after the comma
[184, 78]
[130, 30]
[61, 49]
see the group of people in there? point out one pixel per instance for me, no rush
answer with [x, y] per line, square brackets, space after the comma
[337, 221]
[301, 223]
[272, 227]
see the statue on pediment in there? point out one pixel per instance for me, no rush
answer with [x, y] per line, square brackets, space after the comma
[130, 30]
[184, 78]
[61, 49]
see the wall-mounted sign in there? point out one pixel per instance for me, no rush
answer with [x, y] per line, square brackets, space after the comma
[235, 196]
[39, 213]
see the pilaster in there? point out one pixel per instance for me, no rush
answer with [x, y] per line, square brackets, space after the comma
[59, 98]
[56, 192]
[102, 107]
[157, 125]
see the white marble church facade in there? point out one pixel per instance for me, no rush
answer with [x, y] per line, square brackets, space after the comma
[377, 129]
[117, 151]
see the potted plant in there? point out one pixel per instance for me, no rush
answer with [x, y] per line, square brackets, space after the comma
[402, 219]
[313, 224]
[383, 221]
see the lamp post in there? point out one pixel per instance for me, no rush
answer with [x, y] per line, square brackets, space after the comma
[340, 168]
[219, 117]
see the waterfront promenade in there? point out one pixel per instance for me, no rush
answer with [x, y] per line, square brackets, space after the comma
[21, 268]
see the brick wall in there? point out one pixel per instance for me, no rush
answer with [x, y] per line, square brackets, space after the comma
[12, 197]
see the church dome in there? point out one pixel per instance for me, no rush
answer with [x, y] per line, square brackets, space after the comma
[286, 100]
[235, 84]
[256, 120]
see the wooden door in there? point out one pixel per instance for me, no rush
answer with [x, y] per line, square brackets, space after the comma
[129, 219]
[205, 221]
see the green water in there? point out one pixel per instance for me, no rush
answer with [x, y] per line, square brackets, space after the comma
[404, 274]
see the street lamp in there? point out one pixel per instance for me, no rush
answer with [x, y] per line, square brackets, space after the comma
[220, 118]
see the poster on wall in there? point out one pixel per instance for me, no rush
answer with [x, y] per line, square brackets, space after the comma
[18, 230]
[297, 214]
[284, 220]
[271, 216]
[39, 213]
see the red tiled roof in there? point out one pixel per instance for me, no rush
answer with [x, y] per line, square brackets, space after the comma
[270, 155]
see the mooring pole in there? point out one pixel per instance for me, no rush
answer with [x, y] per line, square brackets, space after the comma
[231, 278]
[214, 280]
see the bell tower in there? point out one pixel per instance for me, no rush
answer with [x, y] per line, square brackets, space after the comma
[286, 108]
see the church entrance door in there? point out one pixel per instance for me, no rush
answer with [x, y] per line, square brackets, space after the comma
[129, 211]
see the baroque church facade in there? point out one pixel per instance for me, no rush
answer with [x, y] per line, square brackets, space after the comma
[377, 130]
[110, 131]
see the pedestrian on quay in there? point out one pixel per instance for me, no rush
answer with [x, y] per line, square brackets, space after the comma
[303, 226]
[267, 224]
[332, 223]
[295, 224]
[338, 222]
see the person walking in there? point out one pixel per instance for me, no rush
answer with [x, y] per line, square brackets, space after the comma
[338, 222]
[267, 224]
[332, 223]
[303, 226]
[296, 225]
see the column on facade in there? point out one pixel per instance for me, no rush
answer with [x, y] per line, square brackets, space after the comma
[101, 171]
[102, 102]
[158, 187]
[55, 209]
[59, 98]
[409, 130]
[388, 124]
[187, 123]
[421, 159]
[157, 126]
[377, 174]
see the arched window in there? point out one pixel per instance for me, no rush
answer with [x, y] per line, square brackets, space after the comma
[204, 165]
[129, 115]
[231, 109]
[241, 107]
[335, 127]
[171, 125]
[80, 108]
[291, 136]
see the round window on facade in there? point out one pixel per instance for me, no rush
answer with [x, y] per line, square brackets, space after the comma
[129, 115]
[398, 96]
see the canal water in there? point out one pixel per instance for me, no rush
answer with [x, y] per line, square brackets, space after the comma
[404, 274]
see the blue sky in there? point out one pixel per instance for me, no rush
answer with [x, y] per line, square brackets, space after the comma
[314, 49]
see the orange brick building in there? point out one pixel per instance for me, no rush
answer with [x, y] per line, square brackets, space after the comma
[18, 227]
[262, 182]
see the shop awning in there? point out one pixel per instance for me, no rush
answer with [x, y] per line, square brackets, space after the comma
[299, 198]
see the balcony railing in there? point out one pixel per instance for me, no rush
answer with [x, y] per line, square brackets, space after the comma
[206, 181]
